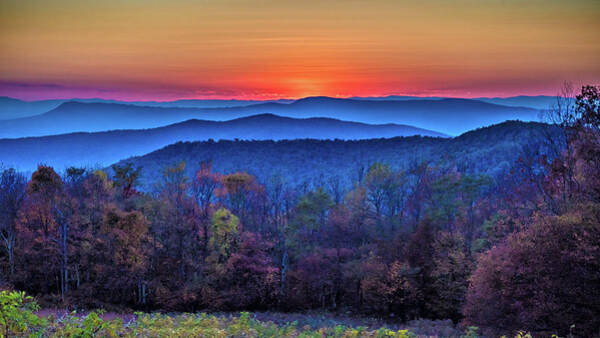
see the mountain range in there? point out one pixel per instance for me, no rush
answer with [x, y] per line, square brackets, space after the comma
[448, 116]
[11, 108]
[104, 148]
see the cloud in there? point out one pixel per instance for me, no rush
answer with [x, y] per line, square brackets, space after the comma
[130, 91]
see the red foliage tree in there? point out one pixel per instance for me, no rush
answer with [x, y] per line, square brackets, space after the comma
[251, 279]
[542, 279]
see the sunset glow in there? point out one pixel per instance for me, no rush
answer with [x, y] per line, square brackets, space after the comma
[142, 50]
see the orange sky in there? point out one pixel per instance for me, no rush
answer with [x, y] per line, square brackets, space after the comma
[149, 49]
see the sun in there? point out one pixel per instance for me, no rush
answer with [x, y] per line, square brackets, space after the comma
[305, 86]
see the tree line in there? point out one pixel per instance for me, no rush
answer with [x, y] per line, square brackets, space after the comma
[520, 251]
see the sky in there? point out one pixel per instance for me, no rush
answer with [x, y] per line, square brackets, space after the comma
[268, 49]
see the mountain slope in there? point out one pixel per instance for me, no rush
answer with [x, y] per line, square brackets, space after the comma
[536, 102]
[13, 108]
[91, 117]
[491, 151]
[103, 148]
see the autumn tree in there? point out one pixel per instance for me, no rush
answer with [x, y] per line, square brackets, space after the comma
[444, 200]
[125, 178]
[95, 194]
[122, 244]
[224, 241]
[12, 197]
[181, 230]
[244, 196]
[377, 181]
[224, 235]
[541, 279]
[204, 188]
[316, 280]
[573, 175]
[418, 254]
[45, 225]
[250, 279]
[386, 192]
[175, 239]
[309, 217]
[422, 177]
[402, 291]
[451, 269]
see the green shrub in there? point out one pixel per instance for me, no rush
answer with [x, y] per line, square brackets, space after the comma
[17, 317]
[89, 326]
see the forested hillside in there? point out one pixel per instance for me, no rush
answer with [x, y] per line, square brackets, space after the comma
[490, 151]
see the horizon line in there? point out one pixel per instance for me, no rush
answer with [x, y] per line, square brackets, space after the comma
[274, 99]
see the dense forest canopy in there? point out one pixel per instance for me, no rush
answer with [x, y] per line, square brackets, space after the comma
[489, 151]
[446, 237]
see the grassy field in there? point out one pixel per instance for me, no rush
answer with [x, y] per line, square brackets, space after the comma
[20, 316]
[242, 324]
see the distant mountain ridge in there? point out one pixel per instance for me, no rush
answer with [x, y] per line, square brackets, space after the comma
[11, 108]
[541, 102]
[103, 148]
[449, 116]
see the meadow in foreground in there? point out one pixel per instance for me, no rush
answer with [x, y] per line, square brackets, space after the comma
[20, 317]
